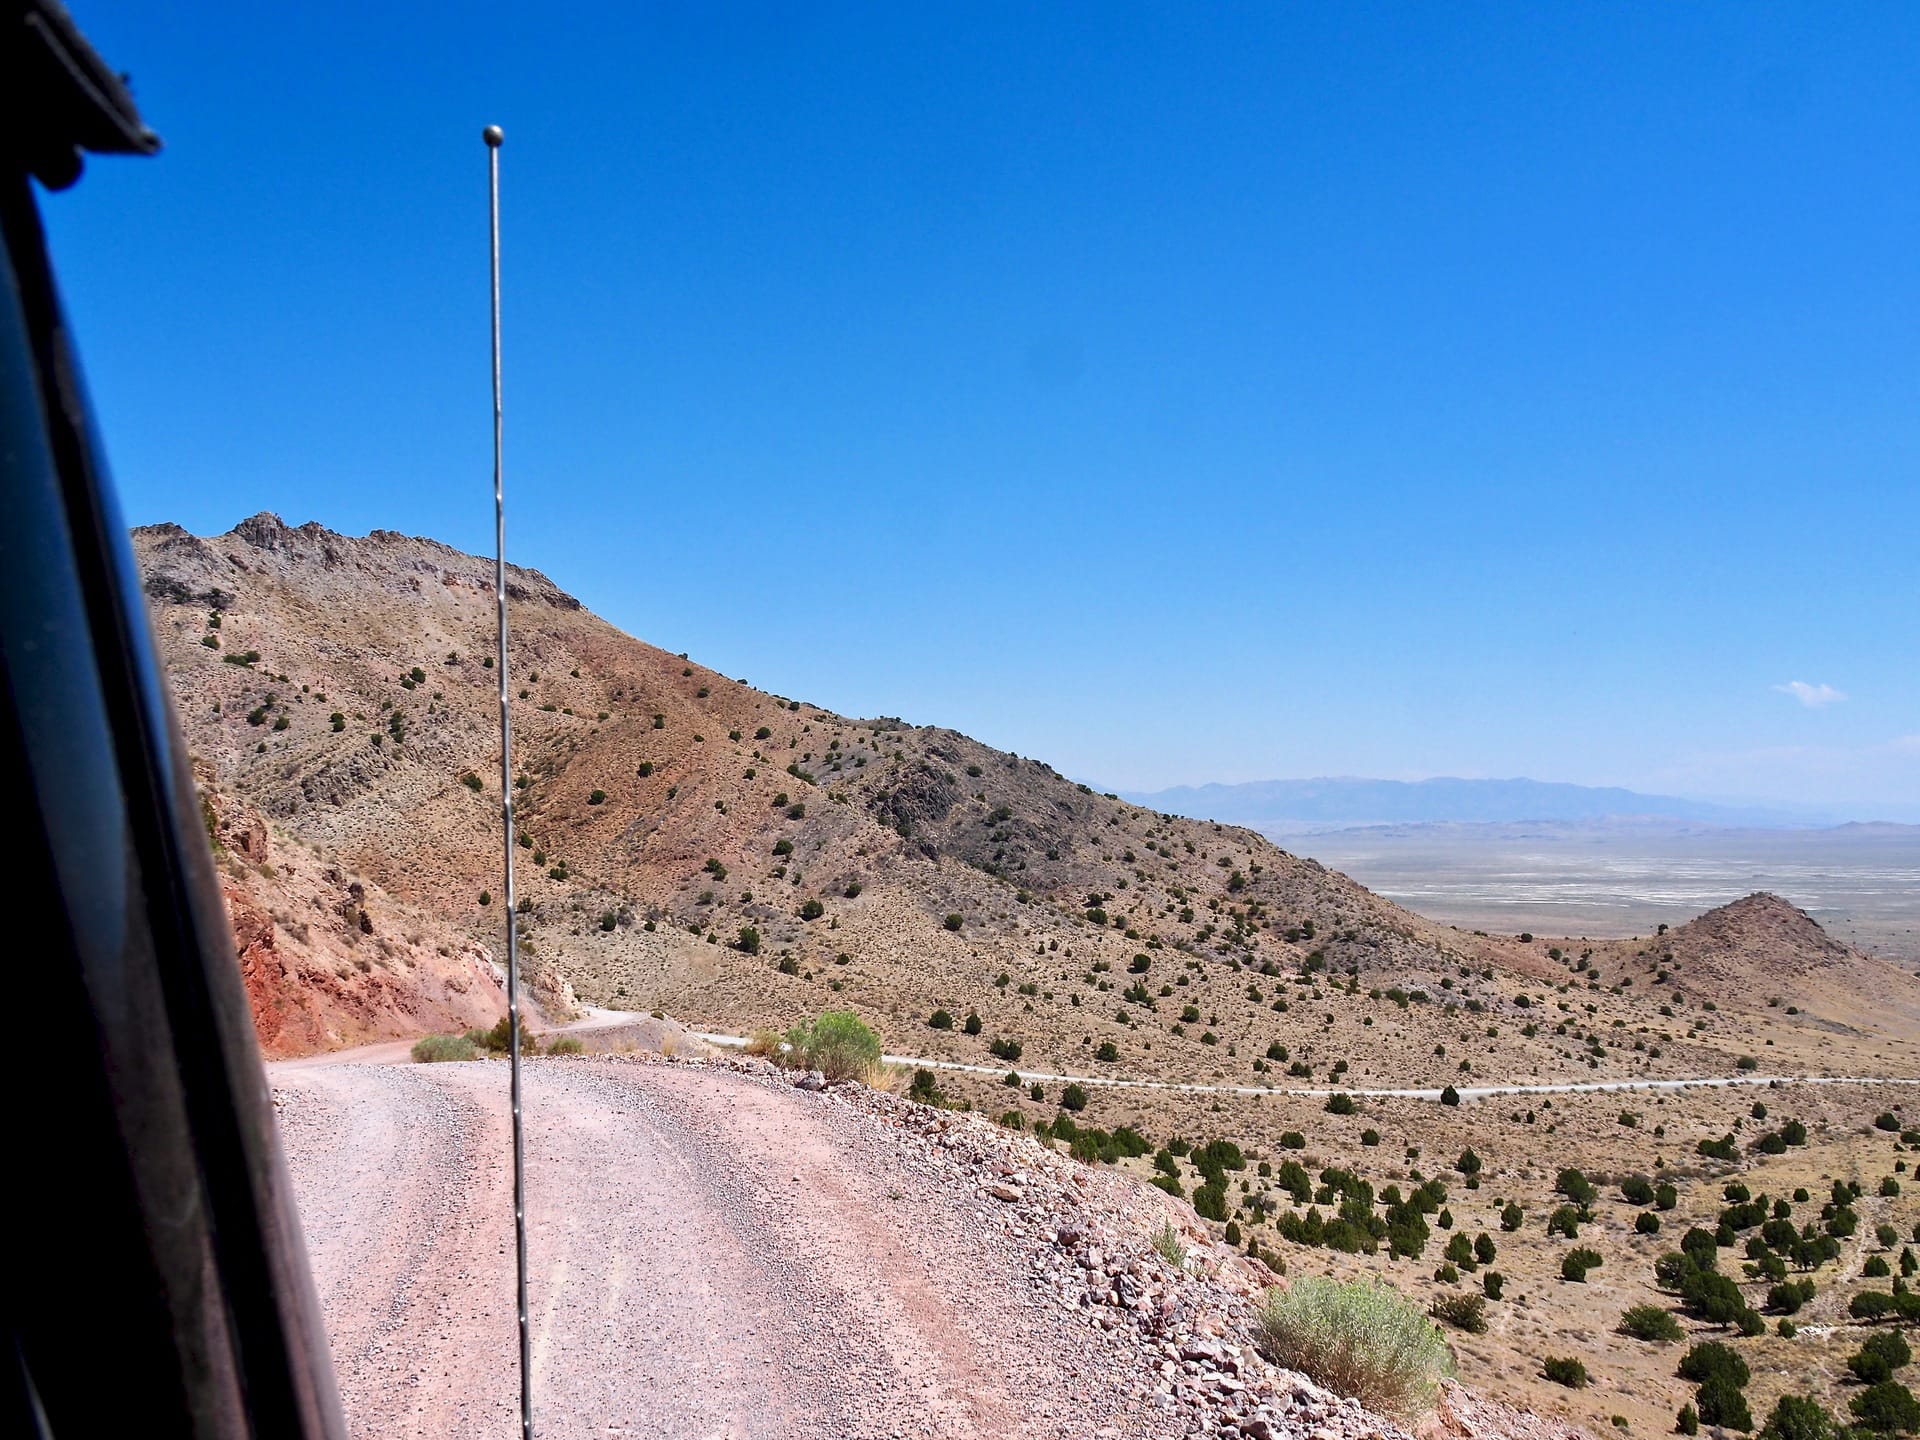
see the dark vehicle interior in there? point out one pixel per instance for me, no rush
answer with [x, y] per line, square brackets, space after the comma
[152, 1235]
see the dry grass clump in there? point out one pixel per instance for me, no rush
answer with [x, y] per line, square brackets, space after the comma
[765, 1043]
[1361, 1338]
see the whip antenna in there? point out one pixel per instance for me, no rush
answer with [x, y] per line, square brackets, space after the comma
[494, 136]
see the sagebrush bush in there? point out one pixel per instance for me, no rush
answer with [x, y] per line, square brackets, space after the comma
[1360, 1338]
[839, 1044]
[430, 1049]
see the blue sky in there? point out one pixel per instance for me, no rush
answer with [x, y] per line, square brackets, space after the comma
[1176, 393]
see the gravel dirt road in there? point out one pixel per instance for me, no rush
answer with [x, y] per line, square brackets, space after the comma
[709, 1256]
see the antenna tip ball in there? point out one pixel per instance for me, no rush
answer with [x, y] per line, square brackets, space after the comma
[493, 135]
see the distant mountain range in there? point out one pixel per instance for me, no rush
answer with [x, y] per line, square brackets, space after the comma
[1342, 800]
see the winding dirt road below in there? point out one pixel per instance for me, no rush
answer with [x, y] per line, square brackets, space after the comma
[709, 1256]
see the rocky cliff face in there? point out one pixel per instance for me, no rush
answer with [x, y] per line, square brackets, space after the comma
[329, 960]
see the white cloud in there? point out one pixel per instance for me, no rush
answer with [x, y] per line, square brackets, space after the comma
[1814, 697]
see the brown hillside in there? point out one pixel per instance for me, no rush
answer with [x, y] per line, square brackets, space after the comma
[1768, 951]
[893, 868]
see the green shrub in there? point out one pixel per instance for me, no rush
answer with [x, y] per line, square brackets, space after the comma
[471, 781]
[1651, 1323]
[1708, 1295]
[1360, 1338]
[813, 910]
[1340, 1103]
[1576, 1187]
[563, 1045]
[1565, 1370]
[1887, 1408]
[1687, 1422]
[1449, 1096]
[1722, 1402]
[1879, 1357]
[1463, 1312]
[1710, 1359]
[940, 1020]
[839, 1044]
[749, 941]
[953, 922]
[431, 1049]
[499, 1039]
[1797, 1417]
[1074, 1098]
[1577, 1263]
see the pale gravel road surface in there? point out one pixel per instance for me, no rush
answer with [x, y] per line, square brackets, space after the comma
[708, 1256]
